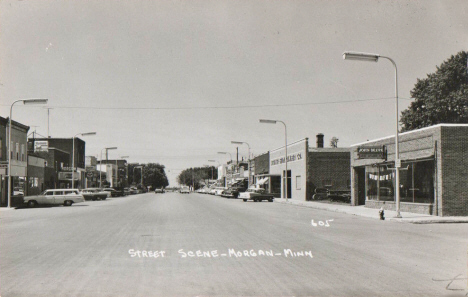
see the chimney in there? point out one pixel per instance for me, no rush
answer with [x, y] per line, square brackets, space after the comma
[320, 140]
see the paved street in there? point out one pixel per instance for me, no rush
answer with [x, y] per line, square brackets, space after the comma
[187, 245]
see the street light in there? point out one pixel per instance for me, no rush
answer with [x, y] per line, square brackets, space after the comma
[263, 121]
[25, 102]
[243, 142]
[73, 155]
[100, 171]
[225, 153]
[374, 58]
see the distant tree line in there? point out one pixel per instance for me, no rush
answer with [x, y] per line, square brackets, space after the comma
[154, 175]
[197, 176]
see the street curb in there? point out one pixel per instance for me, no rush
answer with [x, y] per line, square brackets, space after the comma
[423, 220]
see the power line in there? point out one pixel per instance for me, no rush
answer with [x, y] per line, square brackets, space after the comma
[222, 107]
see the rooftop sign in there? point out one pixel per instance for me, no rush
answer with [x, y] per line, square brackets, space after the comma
[372, 152]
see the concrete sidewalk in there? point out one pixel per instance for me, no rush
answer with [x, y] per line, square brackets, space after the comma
[362, 211]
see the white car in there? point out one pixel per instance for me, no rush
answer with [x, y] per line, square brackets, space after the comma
[256, 194]
[55, 196]
[219, 191]
[184, 190]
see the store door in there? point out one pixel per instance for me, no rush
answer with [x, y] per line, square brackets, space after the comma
[361, 179]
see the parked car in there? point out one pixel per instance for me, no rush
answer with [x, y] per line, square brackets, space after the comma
[17, 191]
[114, 193]
[219, 191]
[161, 190]
[256, 194]
[236, 188]
[94, 194]
[55, 196]
[184, 190]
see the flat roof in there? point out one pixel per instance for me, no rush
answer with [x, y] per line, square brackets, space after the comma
[330, 149]
[409, 132]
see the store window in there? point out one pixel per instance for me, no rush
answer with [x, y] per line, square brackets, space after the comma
[298, 182]
[416, 182]
[22, 153]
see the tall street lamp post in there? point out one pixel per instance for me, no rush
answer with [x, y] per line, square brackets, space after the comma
[25, 102]
[285, 153]
[243, 142]
[100, 171]
[225, 153]
[73, 155]
[212, 169]
[374, 58]
[230, 156]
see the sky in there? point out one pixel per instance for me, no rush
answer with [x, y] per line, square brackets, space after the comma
[174, 82]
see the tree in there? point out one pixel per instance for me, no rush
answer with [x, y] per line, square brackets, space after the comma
[195, 176]
[154, 176]
[334, 142]
[442, 97]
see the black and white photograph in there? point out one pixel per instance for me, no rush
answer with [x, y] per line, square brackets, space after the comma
[156, 148]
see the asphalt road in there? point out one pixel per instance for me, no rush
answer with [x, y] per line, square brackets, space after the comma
[146, 245]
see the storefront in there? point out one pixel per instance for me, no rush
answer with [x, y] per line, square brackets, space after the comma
[297, 169]
[309, 168]
[433, 172]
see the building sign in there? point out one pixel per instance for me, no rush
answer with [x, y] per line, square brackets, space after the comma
[67, 176]
[372, 152]
[291, 158]
[41, 146]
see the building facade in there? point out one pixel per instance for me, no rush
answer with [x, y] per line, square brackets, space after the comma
[309, 168]
[19, 162]
[54, 150]
[433, 173]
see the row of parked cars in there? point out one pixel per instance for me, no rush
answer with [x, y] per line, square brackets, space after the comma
[68, 197]
[239, 190]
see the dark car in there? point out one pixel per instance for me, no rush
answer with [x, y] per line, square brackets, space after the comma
[116, 192]
[236, 188]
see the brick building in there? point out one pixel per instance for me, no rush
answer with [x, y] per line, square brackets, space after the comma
[18, 157]
[58, 153]
[433, 173]
[308, 168]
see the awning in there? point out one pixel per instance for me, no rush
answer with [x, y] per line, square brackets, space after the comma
[262, 181]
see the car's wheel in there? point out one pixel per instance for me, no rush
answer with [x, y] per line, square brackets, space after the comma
[104, 198]
[94, 199]
[32, 203]
[245, 200]
[68, 203]
[270, 200]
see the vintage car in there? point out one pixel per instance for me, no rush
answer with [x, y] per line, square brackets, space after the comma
[115, 192]
[55, 196]
[219, 191]
[95, 194]
[234, 190]
[256, 194]
[161, 190]
[184, 190]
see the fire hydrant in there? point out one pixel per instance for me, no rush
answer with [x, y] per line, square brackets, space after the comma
[382, 213]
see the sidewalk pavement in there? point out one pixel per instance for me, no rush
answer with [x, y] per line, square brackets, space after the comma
[362, 211]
